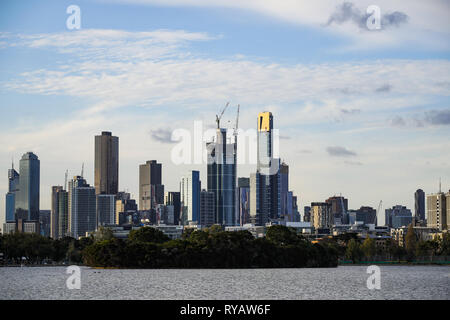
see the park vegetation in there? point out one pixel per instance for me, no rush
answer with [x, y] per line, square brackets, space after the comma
[213, 248]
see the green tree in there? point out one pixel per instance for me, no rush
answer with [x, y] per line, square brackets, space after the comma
[282, 235]
[410, 242]
[148, 234]
[369, 247]
[353, 251]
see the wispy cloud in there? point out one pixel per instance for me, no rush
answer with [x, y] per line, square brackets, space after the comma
[338, 151]
[162, 135]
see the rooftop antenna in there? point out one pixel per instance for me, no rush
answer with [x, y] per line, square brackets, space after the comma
[82, 170]
[440, 189]
[12, 162]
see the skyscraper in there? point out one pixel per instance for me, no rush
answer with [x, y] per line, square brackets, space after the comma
[284, 189]
[82, 207]
[398, 216]
[54, 213]
[221, 172]
[244, 200]
[27, 198]
[419, 205]
[106, 164]
[63, 214]
[151, 191]
[267, 180]
[13, 188]
[190, 188]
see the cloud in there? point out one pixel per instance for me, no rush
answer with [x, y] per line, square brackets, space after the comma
[347, 12]
[383, 88]
[353, 163]
[438, 117]
[398, 121]
[350, 111]
[340, 152]
[162, 135]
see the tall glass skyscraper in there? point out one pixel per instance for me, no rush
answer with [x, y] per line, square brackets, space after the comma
[266, 183]
[419, 205]
[27, 199]
[221, 171]
[13, 188]
[106, 164]
[82, 207]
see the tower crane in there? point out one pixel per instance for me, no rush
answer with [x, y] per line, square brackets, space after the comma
[218, 117]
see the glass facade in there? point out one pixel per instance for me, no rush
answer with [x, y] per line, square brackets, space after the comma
[27, 199]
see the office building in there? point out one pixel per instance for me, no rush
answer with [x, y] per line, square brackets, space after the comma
[206, 208]
[339, 206]
[174, 199]
[190, 188]
[365, 215]
[106, 174]
[124, 203]
[419, 205]
[398, 216]
[106, 209]
[151, 191]
[10, 200]
[27, 198]
[82, 208]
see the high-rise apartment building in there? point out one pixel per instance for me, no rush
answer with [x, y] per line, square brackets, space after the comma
[106, 174]
[54, 213]
[82, 207]
[151, 190]
[190, 187]
[63, 214]
[321, 216]
[437, 210]
[221, 175]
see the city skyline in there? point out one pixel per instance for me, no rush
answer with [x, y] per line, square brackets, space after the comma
[360, 114]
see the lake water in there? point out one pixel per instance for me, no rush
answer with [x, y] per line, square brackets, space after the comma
[344, 282]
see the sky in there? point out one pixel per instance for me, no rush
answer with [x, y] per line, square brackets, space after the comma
[360, 112]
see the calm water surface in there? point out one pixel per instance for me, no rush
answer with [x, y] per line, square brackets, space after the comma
[344, 282]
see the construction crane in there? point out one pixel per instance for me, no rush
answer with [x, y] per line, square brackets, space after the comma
[220, 116]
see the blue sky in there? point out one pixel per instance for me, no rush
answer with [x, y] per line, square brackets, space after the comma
[143, 67]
